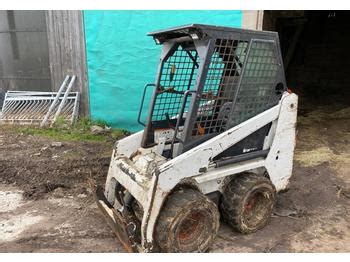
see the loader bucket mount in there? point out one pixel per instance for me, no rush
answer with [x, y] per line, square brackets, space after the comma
[124, 224]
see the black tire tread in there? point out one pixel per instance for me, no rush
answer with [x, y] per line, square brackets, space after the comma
[233, 196]
[176, 203]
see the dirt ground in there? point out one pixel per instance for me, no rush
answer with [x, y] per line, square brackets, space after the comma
[47, 204]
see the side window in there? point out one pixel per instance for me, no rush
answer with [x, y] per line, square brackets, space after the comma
[258, 81]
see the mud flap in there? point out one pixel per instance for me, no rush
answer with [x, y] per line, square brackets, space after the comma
[119, 224]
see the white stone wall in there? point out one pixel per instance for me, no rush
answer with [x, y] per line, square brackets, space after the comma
[252, 19]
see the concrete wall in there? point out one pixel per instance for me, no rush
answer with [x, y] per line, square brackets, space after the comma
[252, 19]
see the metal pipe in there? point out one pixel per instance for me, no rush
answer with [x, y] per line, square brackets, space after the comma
[184, 99]
[54, 101]
[64, 99]
[142, 101]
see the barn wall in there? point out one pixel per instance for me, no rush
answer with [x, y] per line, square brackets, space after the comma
[321, 63]
[66, 42]
[318, 67]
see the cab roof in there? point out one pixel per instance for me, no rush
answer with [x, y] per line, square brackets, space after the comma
[204, 30]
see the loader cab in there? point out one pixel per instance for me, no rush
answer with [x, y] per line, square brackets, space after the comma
[210, 79]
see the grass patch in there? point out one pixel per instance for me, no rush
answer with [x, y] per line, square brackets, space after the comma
[79, 131]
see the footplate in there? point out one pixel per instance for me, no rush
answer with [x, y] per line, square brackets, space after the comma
[123, 227]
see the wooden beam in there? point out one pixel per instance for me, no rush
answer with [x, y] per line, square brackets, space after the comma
[66, 42]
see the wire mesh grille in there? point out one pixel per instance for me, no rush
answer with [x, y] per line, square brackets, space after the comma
[178, 75]
[240, 82]
[257, 91]
[220, 86]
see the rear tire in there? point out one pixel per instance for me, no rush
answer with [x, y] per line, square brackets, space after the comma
[247, 202]
[188, 222]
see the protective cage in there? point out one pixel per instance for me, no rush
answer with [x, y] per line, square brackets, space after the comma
[211, 79]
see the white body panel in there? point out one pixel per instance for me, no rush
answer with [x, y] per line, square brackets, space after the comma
[151, 187]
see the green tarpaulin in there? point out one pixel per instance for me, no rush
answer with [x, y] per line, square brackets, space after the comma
[122, 59]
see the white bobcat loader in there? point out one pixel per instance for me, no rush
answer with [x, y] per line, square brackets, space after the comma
[218, 142]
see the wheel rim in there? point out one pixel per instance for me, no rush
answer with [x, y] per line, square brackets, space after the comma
[192, 228]
[257, 208]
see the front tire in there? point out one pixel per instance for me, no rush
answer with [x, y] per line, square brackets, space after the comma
[188, 222]
[247, 202]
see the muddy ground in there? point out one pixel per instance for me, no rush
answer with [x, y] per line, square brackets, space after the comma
[47, 204]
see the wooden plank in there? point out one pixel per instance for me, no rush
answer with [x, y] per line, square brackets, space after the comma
[66, 42]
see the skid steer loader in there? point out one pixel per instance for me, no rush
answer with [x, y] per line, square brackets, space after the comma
[218, 141]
